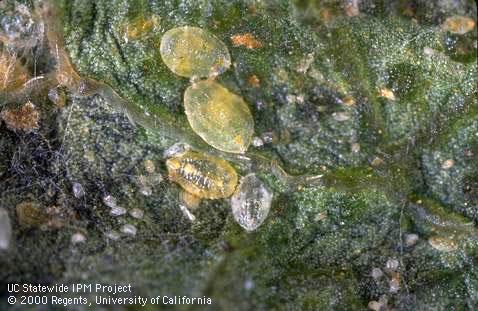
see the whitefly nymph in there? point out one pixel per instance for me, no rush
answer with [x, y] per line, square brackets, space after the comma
[218, 116]
[202, 175]
[194, 52]
[221, 118]
[251, 202]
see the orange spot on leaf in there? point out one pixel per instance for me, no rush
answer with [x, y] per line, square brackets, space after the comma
[247, 40]
[254, 81]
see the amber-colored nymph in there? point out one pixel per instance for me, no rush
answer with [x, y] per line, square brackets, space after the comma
[202, 175]
[220, 117]
[194, 52]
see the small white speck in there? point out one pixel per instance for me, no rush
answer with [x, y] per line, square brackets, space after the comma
[249, 284]
[355, 147]
[78, 190]
[411, 239]
[341, 116]
[146, 191]
[109, 200]
[136, 213]
[392, 264]
[428, 51]
[187, 213]
[257, 142]
[176, 149]
[394, 285]
[129, 229]
[447, 164]
[78, 238]
[117, 211]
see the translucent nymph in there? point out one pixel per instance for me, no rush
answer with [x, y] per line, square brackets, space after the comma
[202, 175]
[251, 202]
[218, 116]
[194, 52]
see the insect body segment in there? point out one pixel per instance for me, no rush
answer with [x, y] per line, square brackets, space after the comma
[193, 175]
[251, 202]
[194, 52]
[204, 176]
[219, 116]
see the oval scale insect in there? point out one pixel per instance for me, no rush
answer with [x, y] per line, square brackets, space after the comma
[194, 52]
[202, 175]
[218, 116]
[251, 202]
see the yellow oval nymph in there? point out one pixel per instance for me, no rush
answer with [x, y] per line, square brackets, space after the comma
[218, 116]
[194, 52]
[202, 175]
